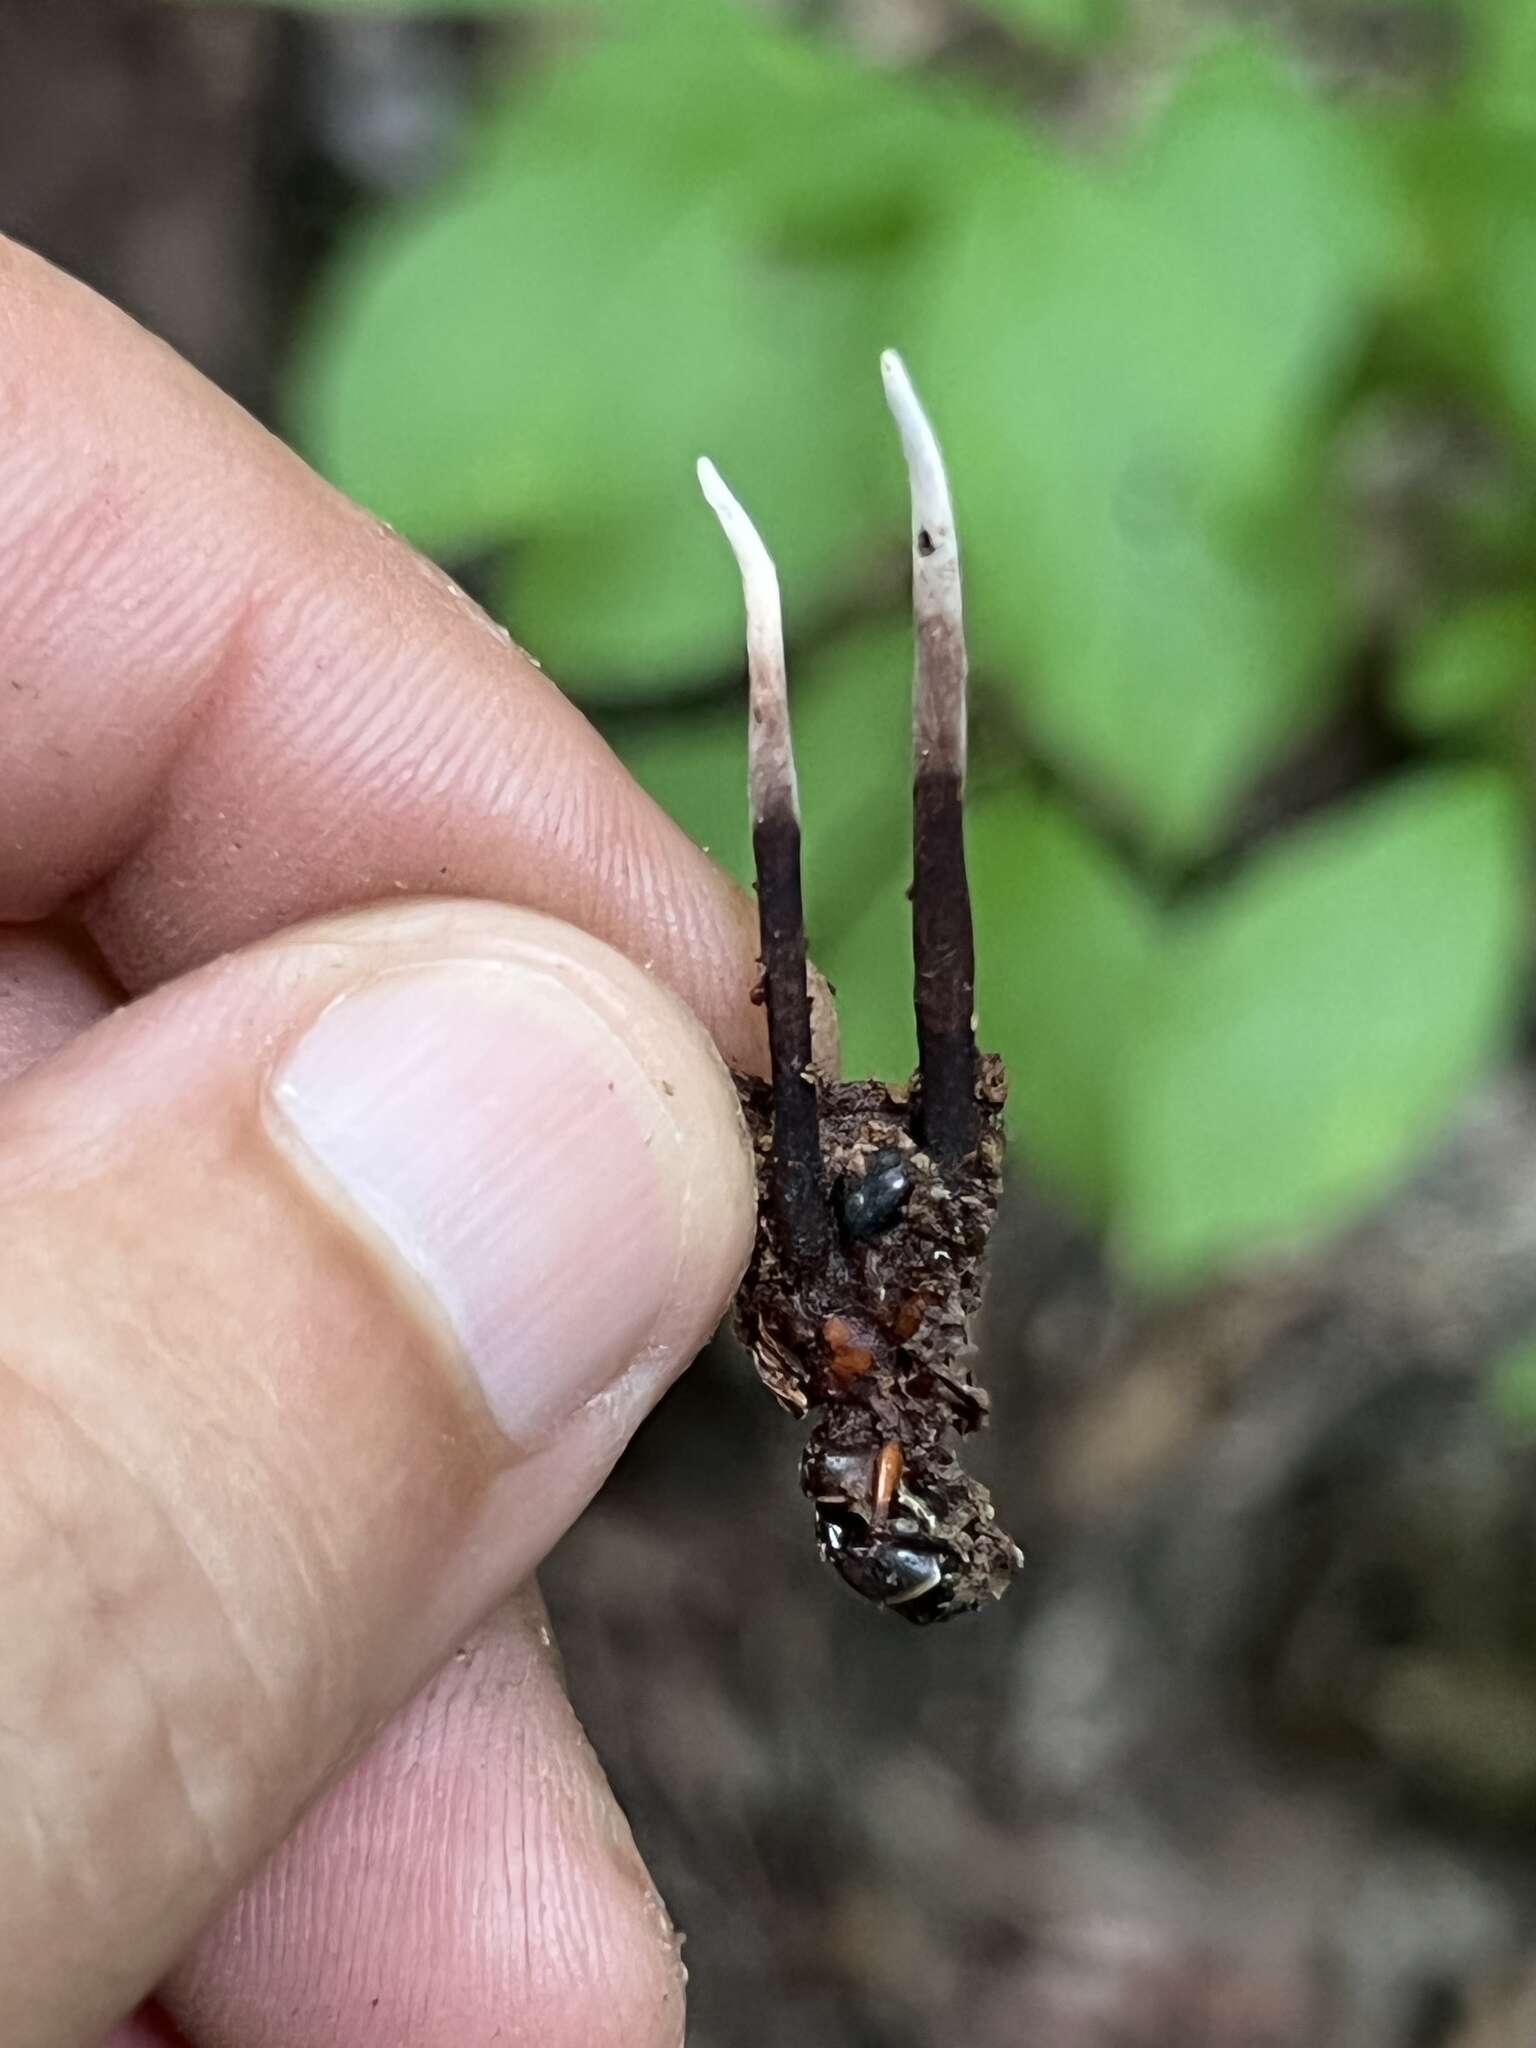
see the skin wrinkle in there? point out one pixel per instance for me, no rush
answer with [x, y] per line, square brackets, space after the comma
[506, 780]
[567, 1926]
[312, 1552]
[666, 916]
[356, 725]
[26, 1820]
[321, 711]
[175, 739]
[311, 619]
[314, 1586]
[568, 823]
[81, 1150]
[96, 1603]
[230, 1448]
[50, 530]
[253, 1672]
[559, 1918]
[21, 471]
[536, 1815]
[49, 993]
[83, 525]
[398, 763]
[520, 1815]
[315, 1609]
[351, 1933]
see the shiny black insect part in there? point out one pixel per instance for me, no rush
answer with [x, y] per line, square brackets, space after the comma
[873, 1201]
[887, 1567]
[876, 1533]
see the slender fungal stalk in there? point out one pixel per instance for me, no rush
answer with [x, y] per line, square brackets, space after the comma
[796, 1185]
[943, 948]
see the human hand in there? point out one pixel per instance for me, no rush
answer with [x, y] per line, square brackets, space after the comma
[338, 1264]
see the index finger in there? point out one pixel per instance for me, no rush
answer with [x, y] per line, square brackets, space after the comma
[231, 700]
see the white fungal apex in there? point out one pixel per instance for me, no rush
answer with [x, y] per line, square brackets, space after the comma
[938, 703]
[770, 758]
[933, 516]
[759, 578]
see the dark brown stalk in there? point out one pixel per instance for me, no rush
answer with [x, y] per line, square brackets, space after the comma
[798, 1192]
[943, 946]
[797, 1188]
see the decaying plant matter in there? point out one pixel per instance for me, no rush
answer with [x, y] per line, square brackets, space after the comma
[876, 1200]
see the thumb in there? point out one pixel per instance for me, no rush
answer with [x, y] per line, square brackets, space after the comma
[336, 1276]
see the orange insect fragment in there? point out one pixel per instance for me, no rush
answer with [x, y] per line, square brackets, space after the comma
[887, 1479]
[850, 1358]
[907, 1319]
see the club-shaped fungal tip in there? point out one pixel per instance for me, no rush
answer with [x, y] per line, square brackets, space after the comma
[933, 518]
[771, 761]
[759, 578]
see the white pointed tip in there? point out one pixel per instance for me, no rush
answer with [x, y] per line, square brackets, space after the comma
[905, 406]
[931, 511]
[711, 483]
[917, 436]
[759, 578]
[727, 508]
[770, 760]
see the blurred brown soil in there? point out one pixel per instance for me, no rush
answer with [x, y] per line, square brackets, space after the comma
[1247, 1756]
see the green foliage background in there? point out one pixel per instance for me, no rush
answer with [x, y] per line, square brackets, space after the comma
[1167, 362]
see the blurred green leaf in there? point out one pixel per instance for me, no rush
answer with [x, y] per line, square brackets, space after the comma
[551, 349]
[639, 605]
[1294, 220]
[670, 246]
[1309, 1030]
[1473, 188]
[1131, 375]
[1512, 1381]
[1463, 668]
[1498, 76]
[425, 388]
[853, 755]
[1064, 942]
[870, 966]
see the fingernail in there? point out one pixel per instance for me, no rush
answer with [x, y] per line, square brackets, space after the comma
[495, 1126]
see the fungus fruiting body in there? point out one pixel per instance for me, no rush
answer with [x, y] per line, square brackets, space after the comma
[876, 1199]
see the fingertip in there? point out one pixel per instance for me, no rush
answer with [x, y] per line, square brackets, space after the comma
[472, 1872]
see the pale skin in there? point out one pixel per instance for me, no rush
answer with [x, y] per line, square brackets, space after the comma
[251, 1502]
